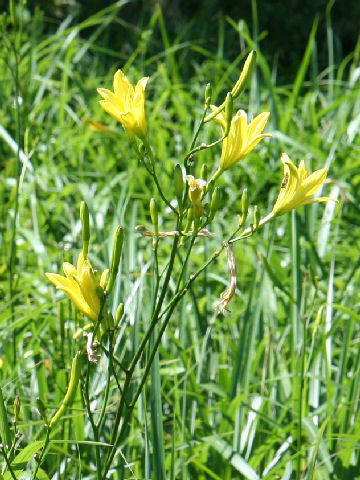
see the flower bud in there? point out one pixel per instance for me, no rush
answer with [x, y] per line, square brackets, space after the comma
[154, 215]
[204, 172]
[257, 217]
[208, 94]
[119, 314]
[178, 183]
[116, 254]
[245, 75]
[42, 409]
[228, 113]
[16, 408]
[215, 202]
[84, 216]
[244, 207]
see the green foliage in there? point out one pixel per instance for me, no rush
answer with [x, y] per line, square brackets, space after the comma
[269, 390]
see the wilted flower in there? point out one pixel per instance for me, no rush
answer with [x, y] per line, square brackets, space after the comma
[126, 104]
[81, 286]
[98, 126]
[242, 138]
[229, 292]
[297, 186]
[196, 186]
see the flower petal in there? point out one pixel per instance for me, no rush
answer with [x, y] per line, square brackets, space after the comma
[258, 124]
[312, 184]
[122, 86]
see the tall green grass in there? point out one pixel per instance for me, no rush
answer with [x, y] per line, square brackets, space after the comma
[270, 390]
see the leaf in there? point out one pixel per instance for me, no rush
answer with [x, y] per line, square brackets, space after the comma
[21, 460]
[236, 460]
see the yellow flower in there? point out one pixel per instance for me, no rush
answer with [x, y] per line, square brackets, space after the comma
[81, 286]
[242, 137]
[196, 186]
[126, 104]
[297, 186]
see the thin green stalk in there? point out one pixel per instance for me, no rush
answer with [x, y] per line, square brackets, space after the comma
[7, 461]
[40, 459]
[296, 343]
[13, 249]
[85, 391]
[152, 172]
[140, 350]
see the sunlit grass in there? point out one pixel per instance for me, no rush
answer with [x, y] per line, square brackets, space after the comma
[271, 387]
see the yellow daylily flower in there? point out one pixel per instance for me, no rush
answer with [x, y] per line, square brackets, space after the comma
[196, 186]
[242, 137]
[298, 187]
[126, 104]
[81, 286]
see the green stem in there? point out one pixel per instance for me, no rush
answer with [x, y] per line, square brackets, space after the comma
[250, 230]
[152, 172]
[7, 461]
[85, 390]
[40, 460]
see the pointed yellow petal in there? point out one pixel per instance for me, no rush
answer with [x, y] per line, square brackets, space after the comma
[72, 290]
[312, 184]
[220, 117]
[120, 103]
[112, 110]
[69, 270]
[103, 278]
[258, 124]
[122, 86]
[89, 286]
[80, 263]
[142, 83]
[252, 144]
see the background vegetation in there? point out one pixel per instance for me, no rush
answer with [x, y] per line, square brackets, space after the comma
[270, 390]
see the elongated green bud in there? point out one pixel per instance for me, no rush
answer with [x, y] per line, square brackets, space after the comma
[215, 202]
[178, 183]
[71, 391]
[189, 219]
[84, 216]
[257, 217]
[13, 16]
[228, 113]
[154, 214]
[116, 254]
[119, 314]
[208, 94]
[245, 75]
[244, 207]
[204, 172]
[16, 408]
[42, 409]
